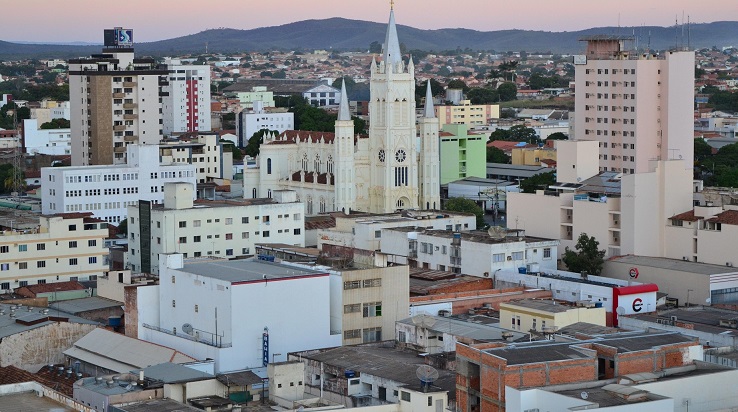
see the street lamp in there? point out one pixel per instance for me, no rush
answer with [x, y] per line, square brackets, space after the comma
[275, 354]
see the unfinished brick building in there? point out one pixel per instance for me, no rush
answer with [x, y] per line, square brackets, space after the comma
[483, 371]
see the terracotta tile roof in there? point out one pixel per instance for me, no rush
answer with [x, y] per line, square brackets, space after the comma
[503, 145]
[444, 134]
[50, 379]
[34, 290]
[728, 217]
[320, 222]
[549, 162]
[686, 216]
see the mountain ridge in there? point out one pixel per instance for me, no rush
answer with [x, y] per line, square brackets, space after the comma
[345, 34]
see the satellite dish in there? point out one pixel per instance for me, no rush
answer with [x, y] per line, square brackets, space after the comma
[497, 232]
[620, 310]
[584, 395]
[187, 328]
[427, 375]
[424, 319]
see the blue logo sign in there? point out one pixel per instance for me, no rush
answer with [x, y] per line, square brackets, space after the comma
[125, 37]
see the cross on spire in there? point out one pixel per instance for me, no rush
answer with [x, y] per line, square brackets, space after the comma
[392, 4]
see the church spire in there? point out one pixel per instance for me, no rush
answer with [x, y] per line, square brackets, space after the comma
[343, 107]
[392, 54]
[429, 110]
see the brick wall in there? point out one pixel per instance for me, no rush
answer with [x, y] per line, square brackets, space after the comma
[463, 301]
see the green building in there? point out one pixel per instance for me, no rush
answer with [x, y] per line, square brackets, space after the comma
[462, 154]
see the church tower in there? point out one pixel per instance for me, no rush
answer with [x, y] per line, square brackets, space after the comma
[343, 152]
[393, 151]
[430, 160]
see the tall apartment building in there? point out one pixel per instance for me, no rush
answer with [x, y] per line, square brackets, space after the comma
[186, 98]
[249, 122]
[204, 151]
[107, 190]
[61, 248]
[638, 106]
[114, 101]
[467, 113]
[224, 229]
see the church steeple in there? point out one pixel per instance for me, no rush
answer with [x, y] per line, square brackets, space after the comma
[429, 109]
[343, 107]
[392, 54]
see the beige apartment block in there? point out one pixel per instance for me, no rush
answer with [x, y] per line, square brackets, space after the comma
[61, 248]
[467, 113]
[547, 315]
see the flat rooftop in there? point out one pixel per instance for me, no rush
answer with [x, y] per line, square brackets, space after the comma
[673, 264]
[238, 270]
[24, 319]
[158, 405]
[477, 236]
[462, 328]
[30, 402]
[543, 305]
[702, 319]
[77, 306]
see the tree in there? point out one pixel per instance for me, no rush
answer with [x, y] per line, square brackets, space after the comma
[255, 141]
[375, 47]
[557, 136]
[230, 147]
[507, 91]
[482, 95]
[499, 134]
[520, 133]
[461, 204]
[123, 227]
[537, 182]
[587, 257]
[458, 84]
[495, 155]
[702, 150]
[56, 124]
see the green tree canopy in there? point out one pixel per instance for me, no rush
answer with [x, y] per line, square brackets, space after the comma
[375, 47]
[537, 182]
[495, 155]
[507, 91]
[520, 133]
[461, 204]
[458, 84]
[56, 124]
[254, 145]
[123, 227]
[483, 95]
[702, 150]
[557, 136]
[587, 257]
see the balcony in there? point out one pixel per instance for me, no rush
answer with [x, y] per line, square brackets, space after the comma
[130, 116]
[130, 105]
[130, 138]
[129, 84]
[119, 128]
[120, 149]
[119, 95]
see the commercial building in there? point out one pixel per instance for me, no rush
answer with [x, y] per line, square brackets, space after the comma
[62, 247]
[56, 142]
[114, 101]
[259, 117]
[546, 316]
[463, 154]
[322, 95]
[106, 191]
[185, 100]
[470, 253]
[224, 229]
[254, 94]
[637, 106]
[467, 113]
[240, 313]
[203, 150]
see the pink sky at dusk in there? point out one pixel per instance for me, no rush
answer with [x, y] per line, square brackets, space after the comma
[84, 20]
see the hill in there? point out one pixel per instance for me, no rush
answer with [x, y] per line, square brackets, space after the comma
[343, 34]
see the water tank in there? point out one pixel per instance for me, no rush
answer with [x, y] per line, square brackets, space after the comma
[598, 304]
[114, 321]
[349, 373]
[522, 270]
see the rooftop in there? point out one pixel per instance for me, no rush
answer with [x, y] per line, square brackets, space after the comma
[173, 373]
[240, 378]
[701, 318]
[30, 402]
[245, 271]
[673, 264]
[22, 319]
[542, 305]
[78, 306]
[475, 236]
[457, 327]
[158, 405]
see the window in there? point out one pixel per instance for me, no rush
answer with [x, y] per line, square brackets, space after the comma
[535, 323]
[22, 248]
[196, 223]
[4, 249]
[92, 260]
[517, 255]
[353, 284]
[23, 265]
[352, 334]
[182, 239]
[372, 334]
[73, 262]
[73, 244]
[498, 257]
[92, 243]
[229, 252]
[372, 309]
[296, 231]
[244, 235]
[197, 308]
[229, 221]
[72, 228]
[377, 234]
[244, 220]
[547, 253]
[41, 264]
[229, 236]
[405, 396]
[182, 224]
[196, 239]
[41, 281]
[174, 303]
[372, 283]
[430, 401]
[5, 285]
[265, 233]
[4, 266]
[353, 308]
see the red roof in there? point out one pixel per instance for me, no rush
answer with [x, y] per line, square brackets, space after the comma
[728, 217]
[686, 216]
[504, 145]
[33, 290]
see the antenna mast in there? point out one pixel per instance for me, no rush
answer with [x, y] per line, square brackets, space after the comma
[17, 178]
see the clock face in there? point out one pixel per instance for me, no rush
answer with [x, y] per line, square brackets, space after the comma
[381, 155]
[400, 156]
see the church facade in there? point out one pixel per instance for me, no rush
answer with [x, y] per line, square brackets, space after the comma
[390, 169]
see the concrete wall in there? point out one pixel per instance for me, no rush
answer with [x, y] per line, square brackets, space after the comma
[689, 396]
[39, 347]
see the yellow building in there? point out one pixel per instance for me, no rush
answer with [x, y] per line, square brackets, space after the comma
[467, 113]
[532, 156]
[547, 315]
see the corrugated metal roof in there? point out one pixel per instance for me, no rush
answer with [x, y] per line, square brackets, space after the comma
[122, 350]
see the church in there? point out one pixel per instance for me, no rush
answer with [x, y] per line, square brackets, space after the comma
[390, 169]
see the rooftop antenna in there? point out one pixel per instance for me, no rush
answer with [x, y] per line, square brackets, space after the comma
[676, 32]
[17, 155]
[689, 34]
[427, 375]
[682, 45]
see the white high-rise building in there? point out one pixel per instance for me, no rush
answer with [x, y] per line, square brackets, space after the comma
[341, 171]
[251, 121]
[638, 106]
[186, 98]
[114, 101]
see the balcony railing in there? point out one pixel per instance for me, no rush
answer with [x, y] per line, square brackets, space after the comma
[215, 342]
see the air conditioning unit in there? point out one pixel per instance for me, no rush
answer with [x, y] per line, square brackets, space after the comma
[729, 264]
[685, 258]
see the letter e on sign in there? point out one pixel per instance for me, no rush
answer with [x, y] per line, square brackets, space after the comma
[637, 305]
[633, 273]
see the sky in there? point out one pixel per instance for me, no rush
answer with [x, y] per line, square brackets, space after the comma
[84, 20]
